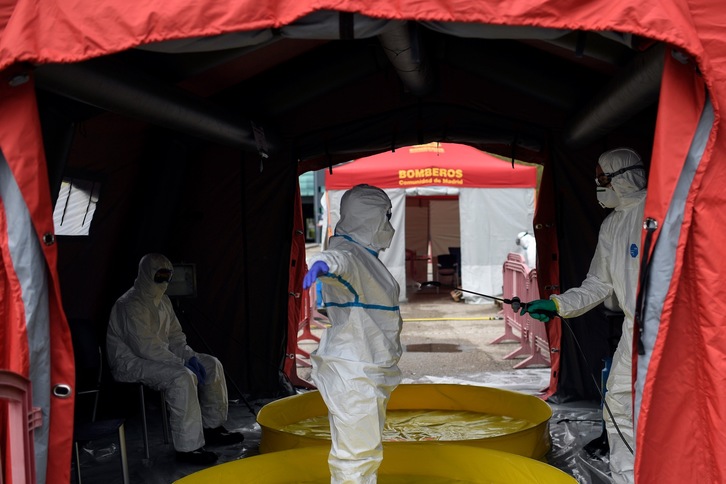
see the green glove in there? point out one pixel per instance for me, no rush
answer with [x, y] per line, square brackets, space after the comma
[540, 309]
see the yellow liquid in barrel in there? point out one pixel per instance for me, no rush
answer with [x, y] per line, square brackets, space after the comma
[425, 425]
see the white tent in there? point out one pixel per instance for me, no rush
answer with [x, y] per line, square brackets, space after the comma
[469, 199]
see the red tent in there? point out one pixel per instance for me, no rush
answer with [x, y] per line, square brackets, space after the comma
[480, 203]
[435, 164]
[680, 381]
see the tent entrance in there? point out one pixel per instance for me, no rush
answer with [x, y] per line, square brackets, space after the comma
[432, 227]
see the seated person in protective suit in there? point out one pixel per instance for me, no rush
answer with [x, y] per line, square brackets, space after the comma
[146, 344]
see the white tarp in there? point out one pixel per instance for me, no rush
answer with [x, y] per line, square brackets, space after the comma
[486, 229]
[491, 218]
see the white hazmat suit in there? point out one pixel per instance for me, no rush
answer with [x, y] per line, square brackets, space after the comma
[614, 270]
[528, 246]
[145, 343]
[356, 364]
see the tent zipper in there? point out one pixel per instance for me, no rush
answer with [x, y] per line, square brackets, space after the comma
[650, 225]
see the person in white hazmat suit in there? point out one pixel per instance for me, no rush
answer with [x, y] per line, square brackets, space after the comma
[355, 367]
[145, 344]
[528, 246]
[621, 182]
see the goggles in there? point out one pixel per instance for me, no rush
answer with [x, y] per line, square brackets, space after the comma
[604, 179]
[163, 275]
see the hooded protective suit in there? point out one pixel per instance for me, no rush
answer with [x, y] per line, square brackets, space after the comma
[356, 364]
[614, 270]
[145, 343]
[528, 245]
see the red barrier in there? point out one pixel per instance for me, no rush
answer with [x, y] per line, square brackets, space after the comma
[19, 419]
[310, 316]
[514, 275]
[539, 346]
[520, 281]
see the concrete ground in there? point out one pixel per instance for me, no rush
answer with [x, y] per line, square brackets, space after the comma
[442, 338]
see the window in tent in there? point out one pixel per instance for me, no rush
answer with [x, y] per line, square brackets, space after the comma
[75, 206]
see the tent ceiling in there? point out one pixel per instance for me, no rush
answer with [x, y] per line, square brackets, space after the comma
[337, 86]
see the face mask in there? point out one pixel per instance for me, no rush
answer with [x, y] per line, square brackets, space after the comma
[607, 197]
[384, 236]
[162, 275]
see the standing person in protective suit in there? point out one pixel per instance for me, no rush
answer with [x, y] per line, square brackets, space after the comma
[621, 181]
[145, 344]
[356, 364]
[528, 245]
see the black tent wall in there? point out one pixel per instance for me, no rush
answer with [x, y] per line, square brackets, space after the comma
[214, 206]
[198, 203]
[586, 340]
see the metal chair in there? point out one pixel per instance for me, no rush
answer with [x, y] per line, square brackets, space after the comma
[89, 372]
[90, 431]
[164, 418]
[447, 267]
[140, 390]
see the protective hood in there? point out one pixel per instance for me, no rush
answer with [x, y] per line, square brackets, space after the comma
[524, 239]
[364, 217]
[627, 185]
[144, 282]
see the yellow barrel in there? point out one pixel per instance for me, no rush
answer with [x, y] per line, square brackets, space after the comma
[532, 441]
[417, 463]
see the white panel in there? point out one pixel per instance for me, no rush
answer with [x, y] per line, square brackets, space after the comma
[394, 258]
[490, 221]
[332, 214]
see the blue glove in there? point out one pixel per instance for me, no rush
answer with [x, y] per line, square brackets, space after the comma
[315, 271]
[196, 366]
[540, 309]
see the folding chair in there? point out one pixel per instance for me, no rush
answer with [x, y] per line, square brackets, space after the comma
[89, 372]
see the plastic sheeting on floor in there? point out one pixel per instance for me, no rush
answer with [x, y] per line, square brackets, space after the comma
[572, 426]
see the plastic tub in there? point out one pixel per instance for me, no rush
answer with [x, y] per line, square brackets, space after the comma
[416, 463]
[532, 440]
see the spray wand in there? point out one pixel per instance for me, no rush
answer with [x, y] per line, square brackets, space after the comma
[515, 302]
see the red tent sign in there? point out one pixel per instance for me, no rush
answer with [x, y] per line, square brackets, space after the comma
[431, 176]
